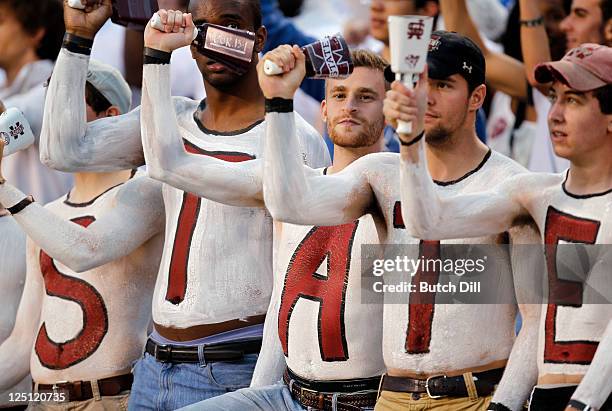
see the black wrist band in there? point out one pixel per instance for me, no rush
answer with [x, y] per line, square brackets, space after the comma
[20, 205]
[77, 44]
[532, 23]
[279, 105]
[413, 141]
[154, 56]
[579, 405]
[495, 406]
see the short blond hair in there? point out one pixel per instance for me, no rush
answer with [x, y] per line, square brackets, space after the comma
[368, 59]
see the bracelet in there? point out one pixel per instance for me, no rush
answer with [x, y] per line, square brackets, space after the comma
[532, 22]
[413, 141]
[279, 105]
[77, 44]
[20, 205]
[154, 56]
[579, 405]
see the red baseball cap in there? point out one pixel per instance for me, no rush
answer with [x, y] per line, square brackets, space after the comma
[583, 68]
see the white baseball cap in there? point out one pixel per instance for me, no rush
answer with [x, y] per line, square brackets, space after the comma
[111, 84]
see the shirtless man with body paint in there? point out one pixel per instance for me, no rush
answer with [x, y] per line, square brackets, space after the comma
[215, 278]
[418, 343]
[12, 277]
[315, 319]
[92, 260]
[575, 341]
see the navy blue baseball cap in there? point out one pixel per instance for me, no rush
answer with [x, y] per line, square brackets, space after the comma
[452, 53]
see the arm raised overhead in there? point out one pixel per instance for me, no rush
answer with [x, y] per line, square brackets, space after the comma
[426, 214]
[68, 142]
[167, 160]
[294, 193]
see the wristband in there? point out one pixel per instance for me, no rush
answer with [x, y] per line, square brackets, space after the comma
[579, 405]
[154, 56]
[532, 23]
[279, 105]
[20, 205]
[496, 406]
[413, 141]
[77, 44]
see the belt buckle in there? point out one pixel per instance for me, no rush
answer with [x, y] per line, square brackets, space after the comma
[427, 386]
[162, 349]
[56, 387]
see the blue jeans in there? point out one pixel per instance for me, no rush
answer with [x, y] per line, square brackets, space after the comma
[166, 386]
[274, 397]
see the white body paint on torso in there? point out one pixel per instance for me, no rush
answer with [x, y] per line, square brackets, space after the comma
[324, 263]
[462, 335]
[229, 260]
[116, 297]
[581, 220]
[12, 278]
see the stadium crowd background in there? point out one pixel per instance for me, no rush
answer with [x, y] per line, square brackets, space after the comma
[509, 122]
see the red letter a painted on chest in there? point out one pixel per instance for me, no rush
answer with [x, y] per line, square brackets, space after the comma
[302, 281]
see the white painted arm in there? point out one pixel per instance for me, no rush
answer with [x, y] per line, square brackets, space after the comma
[68, 142]
[430, 217]
[596, 386]
[271, 362]
[15, 351]
[297, 194]
[528, 270]
[137, 214]
[237, 184]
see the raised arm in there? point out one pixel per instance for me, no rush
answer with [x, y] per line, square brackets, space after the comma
[534, 40]
[503, 72]
[68, 142]
[222, 181]
[15, 351]
[427, 215]
[136, 215]
[528, 270]
[294, 193]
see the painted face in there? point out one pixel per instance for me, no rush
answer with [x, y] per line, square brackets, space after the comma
[577, 125]
[380, 10]
[14, 40]
[230, 13]
[447, 107]
[353, 108]
[583, 24]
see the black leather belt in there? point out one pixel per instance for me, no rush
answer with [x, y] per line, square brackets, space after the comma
[353, 395]
[557, 398]
[82, 390]
[228, 351]
[442, 386]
